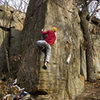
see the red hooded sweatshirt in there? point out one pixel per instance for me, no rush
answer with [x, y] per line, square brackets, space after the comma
[51, 37]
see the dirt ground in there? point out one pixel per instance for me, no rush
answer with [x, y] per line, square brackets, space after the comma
[91, 92]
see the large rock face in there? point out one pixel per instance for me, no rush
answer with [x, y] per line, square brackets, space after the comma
[65, 75]
[11, 25]
[96, 55]
[61, 80]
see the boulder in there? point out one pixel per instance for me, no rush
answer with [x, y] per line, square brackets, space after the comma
[11, 25]
[62, 80]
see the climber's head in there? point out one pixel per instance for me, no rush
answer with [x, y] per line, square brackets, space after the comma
[54, 29]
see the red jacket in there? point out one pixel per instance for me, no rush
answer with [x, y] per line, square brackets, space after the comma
[51, 37]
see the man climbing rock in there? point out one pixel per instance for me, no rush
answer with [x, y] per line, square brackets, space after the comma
[47, 43]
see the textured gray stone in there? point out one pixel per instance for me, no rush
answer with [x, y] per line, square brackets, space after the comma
[61, 80]
[66, 73]
[11, 25]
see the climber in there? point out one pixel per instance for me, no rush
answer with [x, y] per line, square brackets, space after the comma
[47, 43]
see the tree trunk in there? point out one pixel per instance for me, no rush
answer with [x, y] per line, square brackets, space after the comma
[87, 30]
[89, 59]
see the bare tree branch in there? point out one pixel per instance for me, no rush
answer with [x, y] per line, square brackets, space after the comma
[94, 11]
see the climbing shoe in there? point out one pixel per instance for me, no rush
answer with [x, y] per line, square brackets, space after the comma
[44, 67]
[43, 49]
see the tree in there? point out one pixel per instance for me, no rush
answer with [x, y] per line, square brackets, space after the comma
[20, 5]
[87, 27]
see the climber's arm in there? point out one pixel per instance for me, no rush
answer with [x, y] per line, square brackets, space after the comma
[44, 32]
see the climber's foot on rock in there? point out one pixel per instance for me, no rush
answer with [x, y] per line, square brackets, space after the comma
[45, 67]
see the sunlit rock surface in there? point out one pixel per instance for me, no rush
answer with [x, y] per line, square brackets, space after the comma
[62, 80]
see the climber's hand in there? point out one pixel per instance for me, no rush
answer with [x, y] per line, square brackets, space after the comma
[41, 29]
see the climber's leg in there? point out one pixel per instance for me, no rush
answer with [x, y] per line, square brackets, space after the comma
[42, 45]
[48, 54]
